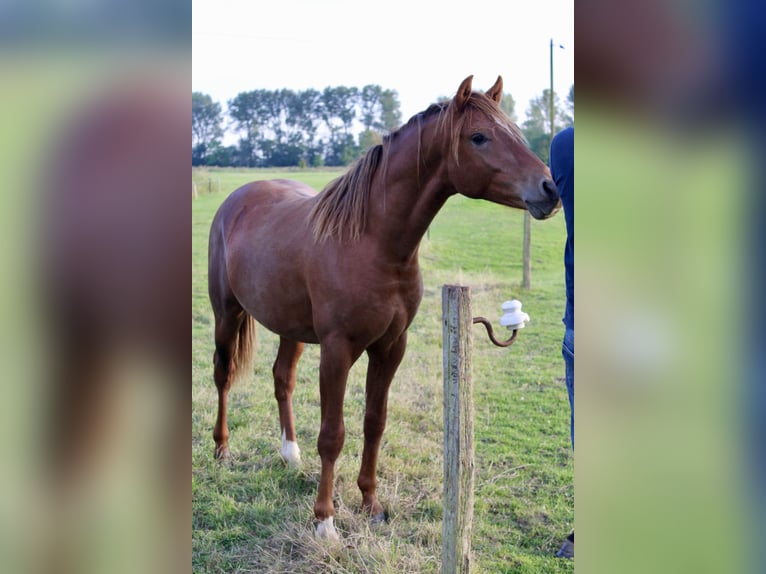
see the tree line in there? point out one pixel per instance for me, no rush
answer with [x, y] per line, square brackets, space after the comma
[331, 127]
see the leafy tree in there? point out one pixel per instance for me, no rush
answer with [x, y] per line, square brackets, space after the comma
[282, 127]
[275, 109]
[370, 104]
[570, 105]
[245, 154]
[508, 105]
[537, 126]
[222, 156]
[341, 151]
[206, 126]
[283, 109]
[338, 111]
[367, 139]
[250, 112]
[379, 114]
[390, 113]
[347, 98]
[303, 116]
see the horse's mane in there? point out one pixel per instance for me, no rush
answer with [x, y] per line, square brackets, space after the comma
[341, 208]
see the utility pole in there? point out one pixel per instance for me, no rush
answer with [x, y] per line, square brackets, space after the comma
[526, 279]
[552, 111]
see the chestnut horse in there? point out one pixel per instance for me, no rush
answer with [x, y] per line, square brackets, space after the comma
[340, 268]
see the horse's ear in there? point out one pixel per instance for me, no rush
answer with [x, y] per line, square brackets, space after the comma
[463, 93]
[496, 91]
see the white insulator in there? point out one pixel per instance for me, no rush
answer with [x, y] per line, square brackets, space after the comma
[513, 317]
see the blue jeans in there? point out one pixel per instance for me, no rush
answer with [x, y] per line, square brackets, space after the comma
[567, 350]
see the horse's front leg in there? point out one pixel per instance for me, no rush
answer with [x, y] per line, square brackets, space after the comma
[337, 356]
[383, 362]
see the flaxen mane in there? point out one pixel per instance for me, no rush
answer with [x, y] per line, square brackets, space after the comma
[341, 210]
[342, 207]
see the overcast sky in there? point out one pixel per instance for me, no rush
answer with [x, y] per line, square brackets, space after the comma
[422, 49]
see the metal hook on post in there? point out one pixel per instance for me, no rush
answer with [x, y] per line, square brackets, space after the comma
[491, 333]
[513, 318]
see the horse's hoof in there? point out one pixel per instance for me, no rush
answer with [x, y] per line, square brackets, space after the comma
[326, 530]
[379, 518]
[222, 454]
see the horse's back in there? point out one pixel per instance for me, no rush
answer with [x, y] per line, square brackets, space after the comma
[277, 189]
[265, 194]
[257, 200]
[258, 243]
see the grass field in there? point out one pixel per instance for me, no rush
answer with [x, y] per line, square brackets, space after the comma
[256, 514]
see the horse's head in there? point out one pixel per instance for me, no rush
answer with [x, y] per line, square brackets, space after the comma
[488, 158]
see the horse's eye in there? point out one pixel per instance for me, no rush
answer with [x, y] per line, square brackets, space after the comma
[479, 139]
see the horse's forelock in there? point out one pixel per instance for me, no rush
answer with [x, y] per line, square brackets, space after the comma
[493, 111]
[454, 119]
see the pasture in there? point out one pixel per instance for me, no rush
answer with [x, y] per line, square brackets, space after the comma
[255, 515]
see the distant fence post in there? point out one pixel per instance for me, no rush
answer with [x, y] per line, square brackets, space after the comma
[194, 190]
[526, 255]
[458, 430]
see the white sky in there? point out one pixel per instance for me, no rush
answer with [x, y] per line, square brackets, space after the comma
[422, 49]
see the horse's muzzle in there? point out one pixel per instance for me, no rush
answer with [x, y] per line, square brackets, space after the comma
[548, 204]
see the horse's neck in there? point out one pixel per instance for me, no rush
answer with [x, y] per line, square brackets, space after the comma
[407, 198]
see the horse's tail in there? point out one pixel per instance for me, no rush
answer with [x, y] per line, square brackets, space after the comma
[238, 347]
[243, 348]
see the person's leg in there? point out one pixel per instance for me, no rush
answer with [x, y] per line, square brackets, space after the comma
[567, 350]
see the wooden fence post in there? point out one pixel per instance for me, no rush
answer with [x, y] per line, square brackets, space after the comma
[458, 430]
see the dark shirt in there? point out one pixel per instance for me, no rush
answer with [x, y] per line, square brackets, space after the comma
[562, 169]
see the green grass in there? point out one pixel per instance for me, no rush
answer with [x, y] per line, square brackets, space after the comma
[256, 514]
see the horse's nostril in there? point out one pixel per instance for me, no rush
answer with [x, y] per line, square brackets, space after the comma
[550, 188]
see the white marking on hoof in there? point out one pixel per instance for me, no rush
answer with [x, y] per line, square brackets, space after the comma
[290, 452]
[326, 530]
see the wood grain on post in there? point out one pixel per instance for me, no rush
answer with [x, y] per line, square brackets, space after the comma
[458, 430]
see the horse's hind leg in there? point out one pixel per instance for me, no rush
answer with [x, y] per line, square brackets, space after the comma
[284, 384]
[227, 330]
